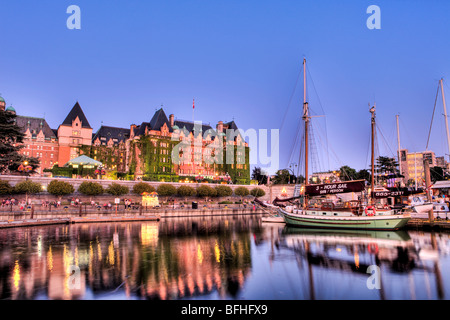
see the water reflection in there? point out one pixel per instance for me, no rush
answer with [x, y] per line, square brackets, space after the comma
[219, 258]
[176, 259]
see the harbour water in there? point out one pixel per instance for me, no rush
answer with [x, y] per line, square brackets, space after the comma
[220, 258]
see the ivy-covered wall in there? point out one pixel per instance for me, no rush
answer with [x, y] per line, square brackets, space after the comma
[155, 158]
[112, 157]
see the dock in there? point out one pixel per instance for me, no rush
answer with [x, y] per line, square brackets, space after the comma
[73, 220]
[425, 224]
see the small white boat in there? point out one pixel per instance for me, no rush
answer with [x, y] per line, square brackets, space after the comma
[419, 205]
[272, 219]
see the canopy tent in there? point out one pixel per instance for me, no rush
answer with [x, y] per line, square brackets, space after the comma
[83, 161]
[444, 184]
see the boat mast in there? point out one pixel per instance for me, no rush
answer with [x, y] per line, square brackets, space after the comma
[305, 118]
[399, 154]
[372, 111]
[445, 115]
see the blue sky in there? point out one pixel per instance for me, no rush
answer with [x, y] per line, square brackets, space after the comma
[237, 59]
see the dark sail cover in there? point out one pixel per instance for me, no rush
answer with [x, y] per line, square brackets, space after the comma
[337, 187]
[395, 192]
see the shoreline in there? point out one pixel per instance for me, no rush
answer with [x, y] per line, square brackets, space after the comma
[156, 215]
[111, 217]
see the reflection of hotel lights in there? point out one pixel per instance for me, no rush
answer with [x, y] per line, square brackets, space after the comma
[199, 254]
[357, 260]
[16, 275]
[217, 252]
[50, 259]
[39, 246]
[149, 234]
[99, 251]
[111, 253]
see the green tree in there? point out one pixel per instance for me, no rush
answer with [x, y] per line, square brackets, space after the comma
[241, 192]
[282, 177]
[166, 190]
[346, 173]
[386, 165]
[224, 191]
[258, 175]
[257, 192]
[437, 173]
[60, 188]
[91, 189]
[5, 187]
[117, 189]
[28, 187]
[186, 191]
[11, 139]
[141, 187]
[364, 174]
[206, 191]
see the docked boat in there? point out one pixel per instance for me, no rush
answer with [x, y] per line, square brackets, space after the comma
[273, 219]
[440, 208]
[354, 214]
[419, 205]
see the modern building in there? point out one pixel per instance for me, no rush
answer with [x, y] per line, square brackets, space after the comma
[412, 165]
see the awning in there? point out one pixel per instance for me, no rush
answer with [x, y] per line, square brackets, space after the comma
[441, 184]
[83, 161]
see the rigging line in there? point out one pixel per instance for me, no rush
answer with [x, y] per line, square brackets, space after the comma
[405, 129]
[293, 149]
[385, 140]
[300, 157]
[292, 96]
[432, 116]
[323, 111]
[314, 87]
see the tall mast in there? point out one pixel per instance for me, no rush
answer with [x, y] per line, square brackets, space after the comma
[398, 142]
[372, 111]
[445, 114]
[306, 119]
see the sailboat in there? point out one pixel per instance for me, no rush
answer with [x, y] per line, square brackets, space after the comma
[354, 214]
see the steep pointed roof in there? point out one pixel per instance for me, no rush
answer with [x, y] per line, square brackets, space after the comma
[73, 114]
[105, 133]
[158, 120]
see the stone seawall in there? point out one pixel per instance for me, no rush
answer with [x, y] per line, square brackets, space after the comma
[273, 191]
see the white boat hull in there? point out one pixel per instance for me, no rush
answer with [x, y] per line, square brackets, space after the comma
[277, 219]
[377, 222]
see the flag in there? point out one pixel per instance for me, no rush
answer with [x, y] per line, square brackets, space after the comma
[193, 104]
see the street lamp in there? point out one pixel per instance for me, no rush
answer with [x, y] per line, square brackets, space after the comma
[25, 168]
[291, 166]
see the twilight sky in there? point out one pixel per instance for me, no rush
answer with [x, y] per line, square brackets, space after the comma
[239, 59]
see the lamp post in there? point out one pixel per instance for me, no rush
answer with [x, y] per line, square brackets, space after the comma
[291, 167]
[25, 168]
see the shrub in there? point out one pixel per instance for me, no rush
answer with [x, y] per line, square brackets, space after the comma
[117, 189]
[166, 190]
[60, 188]
[90, 188]
[206, 191]
[142, 187]
[224, 191]
[5, 187]
[27, 187]
[241, 191]
[186, 191]
[257, 192]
